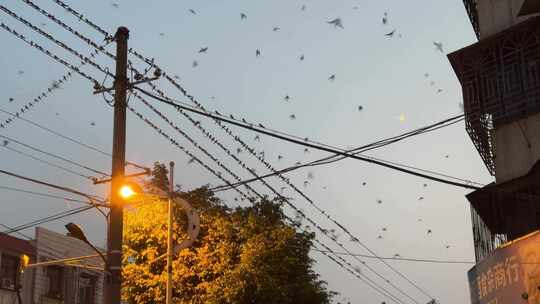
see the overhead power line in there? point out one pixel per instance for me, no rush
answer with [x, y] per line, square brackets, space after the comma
[68, 138]
[55, 57]
[298, 142]
[48, 163]
[48, 219]
[11, 139]
[41, 194]
[92, 198]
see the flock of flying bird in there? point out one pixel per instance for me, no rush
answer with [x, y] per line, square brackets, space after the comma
[337, 23]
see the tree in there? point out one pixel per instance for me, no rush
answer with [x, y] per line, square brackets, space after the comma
[242, 255]
[159, 177]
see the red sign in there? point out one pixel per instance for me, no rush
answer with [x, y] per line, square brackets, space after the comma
[511, 274]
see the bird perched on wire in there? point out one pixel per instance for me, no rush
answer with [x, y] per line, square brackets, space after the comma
[5, 143]
[336, 22]
[243, 16]
[438, 46]
[203, 50]
[306, 150]
[391, 33]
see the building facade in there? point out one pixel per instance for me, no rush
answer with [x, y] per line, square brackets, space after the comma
[65, 284]
[77, 283]
[500, 80]
[13, 282]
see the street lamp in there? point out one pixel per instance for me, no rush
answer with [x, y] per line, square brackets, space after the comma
[130, 190]
[76, 232]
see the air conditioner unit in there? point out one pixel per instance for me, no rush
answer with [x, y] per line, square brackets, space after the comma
[8, 283]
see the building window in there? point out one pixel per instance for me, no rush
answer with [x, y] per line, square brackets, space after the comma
[56, 279]
[9, 271]
[87, 289]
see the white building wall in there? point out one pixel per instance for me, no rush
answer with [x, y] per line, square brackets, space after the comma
[497, 15]
[51, 246]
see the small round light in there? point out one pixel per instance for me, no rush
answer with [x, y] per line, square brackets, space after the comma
[126, 191]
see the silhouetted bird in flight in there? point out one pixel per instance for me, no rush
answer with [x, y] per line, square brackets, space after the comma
[192, 11]
[332, 77]
[275, 29]
[306, 150]
[195, 63]
[287, 97]
[379, 201]
[360, 108]
[92, 123]
[303, 8]
[11, 99]
[243, 16]
[203, 50]
[257, 53]
[280, 157]
[439, 91]
[385, 18]
[257, 138]
[301, 57]
[292, 116]
[391, 34]
[429, 231]
[336, 22]
[5, 143]
[115, 5]
[438, 46]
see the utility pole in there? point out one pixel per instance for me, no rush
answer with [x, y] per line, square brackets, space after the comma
[115, 228]
[169, 235]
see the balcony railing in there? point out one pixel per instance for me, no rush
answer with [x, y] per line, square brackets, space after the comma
[500, 80]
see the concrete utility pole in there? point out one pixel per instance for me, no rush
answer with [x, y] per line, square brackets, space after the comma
[115, 229]
[169, 235]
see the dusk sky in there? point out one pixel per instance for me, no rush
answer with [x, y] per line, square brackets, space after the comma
[384, 75]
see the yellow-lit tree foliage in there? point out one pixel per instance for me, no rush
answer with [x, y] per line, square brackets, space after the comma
[242, 255]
